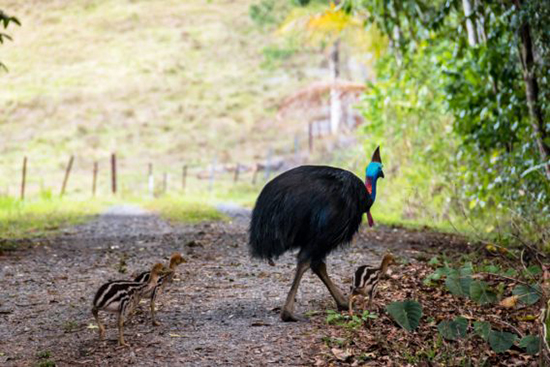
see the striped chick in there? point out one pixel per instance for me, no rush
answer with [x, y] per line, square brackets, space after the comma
[122, 296]
[163, 282]
[366, 279]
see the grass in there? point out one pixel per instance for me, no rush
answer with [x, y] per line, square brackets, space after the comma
[41, 217]
[184, 210]
[161, 81]
[200, 205]
[47, 214]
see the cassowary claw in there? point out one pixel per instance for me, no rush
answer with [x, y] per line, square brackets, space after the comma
[288, 316]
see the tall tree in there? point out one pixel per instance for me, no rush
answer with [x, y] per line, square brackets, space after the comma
[482, 35]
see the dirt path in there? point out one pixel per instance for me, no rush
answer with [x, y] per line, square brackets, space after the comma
[221, 310]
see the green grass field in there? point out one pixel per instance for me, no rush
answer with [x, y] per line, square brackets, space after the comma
[163, 82]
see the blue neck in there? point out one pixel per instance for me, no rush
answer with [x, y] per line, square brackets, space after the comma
[372, 181]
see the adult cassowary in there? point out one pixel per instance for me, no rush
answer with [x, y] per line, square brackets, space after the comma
[314, 209]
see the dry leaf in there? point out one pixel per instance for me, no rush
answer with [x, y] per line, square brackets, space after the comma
[342, 355]
[509, 302]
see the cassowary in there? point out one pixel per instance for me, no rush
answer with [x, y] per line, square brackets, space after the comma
[314, 209]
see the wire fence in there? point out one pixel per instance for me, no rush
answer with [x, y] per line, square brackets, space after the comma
[35, 175]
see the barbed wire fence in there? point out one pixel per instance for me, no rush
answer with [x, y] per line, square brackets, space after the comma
[117, 174]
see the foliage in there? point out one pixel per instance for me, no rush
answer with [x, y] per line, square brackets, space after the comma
[482, 328]
[486, 293]
[350, 322]
[528, 294]
[314, 24]
[480, 293]
[5, 21]
[407, 313]
[453, 330]
[266, 13]
[501, 341]
[461, 110]
[531, 344]
[458, 281]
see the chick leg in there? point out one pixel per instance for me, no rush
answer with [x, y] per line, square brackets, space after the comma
[320, 269]
[153, 316]
[120, 322]
[287, 313]
[350, 304]
[95, 312]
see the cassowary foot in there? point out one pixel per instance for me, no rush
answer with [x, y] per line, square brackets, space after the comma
[343, 305]
[288, 316]
[156, 323]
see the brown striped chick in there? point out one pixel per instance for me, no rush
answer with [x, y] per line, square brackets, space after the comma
[163, 282]
[366, 279]
[122, 296]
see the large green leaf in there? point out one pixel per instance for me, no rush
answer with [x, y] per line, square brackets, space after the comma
[407, 313]
[480, 293]
[501, 341]
[531, 344]
[482, 328]
[458, 284]
[453, 330]
[527, 294]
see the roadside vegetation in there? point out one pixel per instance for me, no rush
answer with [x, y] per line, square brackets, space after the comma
[22, 221]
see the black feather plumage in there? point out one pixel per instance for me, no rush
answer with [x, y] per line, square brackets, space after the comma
[314, 209]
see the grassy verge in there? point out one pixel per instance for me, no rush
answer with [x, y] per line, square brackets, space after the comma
[199, 205]
[20, 220]
[182, 209]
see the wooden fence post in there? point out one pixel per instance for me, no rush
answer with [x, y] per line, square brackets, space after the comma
[236, 176]
[94, 180]
[255, 174]
[184, 178]
[113, 173]
[24, 178]
[67, 173]
[151, 180]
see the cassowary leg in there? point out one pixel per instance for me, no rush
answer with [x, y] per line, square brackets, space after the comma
[287, 313]
[320, 268]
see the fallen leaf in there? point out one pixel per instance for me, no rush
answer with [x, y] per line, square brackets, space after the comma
[509, 302]
[527, 318]
[92, 326]
[342, 355]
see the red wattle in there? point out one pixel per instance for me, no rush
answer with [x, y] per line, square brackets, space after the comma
[371, 221]
[368, 185]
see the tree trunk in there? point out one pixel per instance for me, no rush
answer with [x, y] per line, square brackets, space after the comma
[532, 93]
[480, 22]
[335, 97]
[470, 25]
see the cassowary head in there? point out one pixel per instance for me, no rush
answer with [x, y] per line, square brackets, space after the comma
[372, 173]
[374, 169]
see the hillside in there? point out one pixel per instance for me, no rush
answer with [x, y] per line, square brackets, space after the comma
[168, 82]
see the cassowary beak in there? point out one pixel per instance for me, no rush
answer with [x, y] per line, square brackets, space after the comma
[376, 155]
[381, 174]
